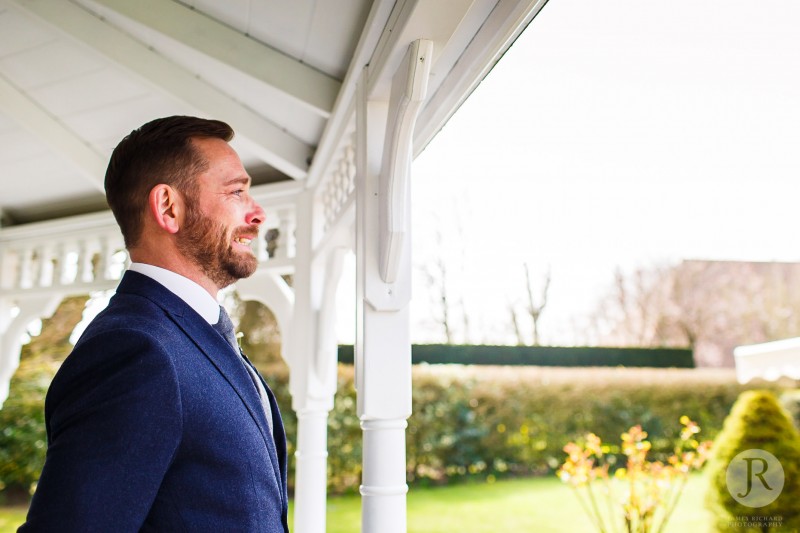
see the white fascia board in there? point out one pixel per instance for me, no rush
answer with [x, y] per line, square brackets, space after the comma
[502, 27]
[312, 88]
[16, 105]
[271, 143]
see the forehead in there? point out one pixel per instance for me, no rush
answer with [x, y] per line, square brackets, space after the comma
[214, 150]
[221, 159]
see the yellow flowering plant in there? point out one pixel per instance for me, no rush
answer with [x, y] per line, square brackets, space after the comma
[640, 496]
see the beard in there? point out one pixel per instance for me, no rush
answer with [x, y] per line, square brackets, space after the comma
[209, 246]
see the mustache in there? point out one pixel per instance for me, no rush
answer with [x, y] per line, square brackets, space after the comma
[249, 230]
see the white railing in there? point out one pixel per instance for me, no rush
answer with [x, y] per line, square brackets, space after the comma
[83, 253]
[277, 242]
[335, 191]
[86, 253]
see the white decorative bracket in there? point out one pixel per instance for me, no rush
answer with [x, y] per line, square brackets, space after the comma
[409, 89]
[325, 353]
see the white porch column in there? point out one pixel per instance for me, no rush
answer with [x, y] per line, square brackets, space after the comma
[312, 420]
[312, 356]
[383, 283]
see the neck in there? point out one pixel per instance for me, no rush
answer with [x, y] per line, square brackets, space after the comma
[174, 262]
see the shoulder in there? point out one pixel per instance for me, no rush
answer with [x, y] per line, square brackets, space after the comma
[128, 316]
[125, 346]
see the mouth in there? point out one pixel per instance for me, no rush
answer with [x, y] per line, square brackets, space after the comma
[243, 239]
[243, 243]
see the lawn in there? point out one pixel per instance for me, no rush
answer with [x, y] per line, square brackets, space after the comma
[11, 518]
[541, 504]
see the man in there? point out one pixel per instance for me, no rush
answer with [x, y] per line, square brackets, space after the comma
[156, 421]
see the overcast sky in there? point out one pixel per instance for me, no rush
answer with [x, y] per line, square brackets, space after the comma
[620, 133]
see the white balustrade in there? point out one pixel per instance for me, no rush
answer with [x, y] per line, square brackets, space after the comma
[60, 255]
[26, 266]
[276, 245]
[335, 190]
[87, 252]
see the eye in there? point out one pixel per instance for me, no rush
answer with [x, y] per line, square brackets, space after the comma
[238, 192]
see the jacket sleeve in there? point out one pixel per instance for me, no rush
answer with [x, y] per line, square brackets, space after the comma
[114, 423]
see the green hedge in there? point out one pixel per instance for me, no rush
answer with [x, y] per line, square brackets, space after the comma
[483, 421]
[542, 355]
[478, 421]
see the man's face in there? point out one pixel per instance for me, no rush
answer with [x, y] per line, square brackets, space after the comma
[223, 219]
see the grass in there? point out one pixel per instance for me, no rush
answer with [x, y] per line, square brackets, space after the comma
[534, 504]
[11, 518]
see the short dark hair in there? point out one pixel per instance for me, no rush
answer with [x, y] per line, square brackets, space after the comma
[158, 152]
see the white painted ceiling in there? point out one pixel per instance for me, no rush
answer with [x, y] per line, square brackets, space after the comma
[61, 69]
[78, 75]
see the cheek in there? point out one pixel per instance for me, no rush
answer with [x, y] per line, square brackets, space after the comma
[229, 216]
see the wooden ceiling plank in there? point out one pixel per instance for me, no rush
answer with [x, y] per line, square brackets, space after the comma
[308, 86]
[270, 142]
[16, 105]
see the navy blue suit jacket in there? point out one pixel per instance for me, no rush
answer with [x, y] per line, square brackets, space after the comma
[154, 424]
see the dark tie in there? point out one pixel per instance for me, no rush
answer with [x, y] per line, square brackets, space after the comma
[224, 327]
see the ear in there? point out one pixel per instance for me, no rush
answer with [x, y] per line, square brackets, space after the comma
[166, 207]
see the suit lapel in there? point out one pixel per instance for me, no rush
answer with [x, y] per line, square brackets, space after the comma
[222, 356]
[214, 347]
[278, 431]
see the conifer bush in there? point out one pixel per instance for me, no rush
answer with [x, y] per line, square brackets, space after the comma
[756, 422]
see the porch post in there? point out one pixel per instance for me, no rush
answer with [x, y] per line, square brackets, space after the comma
[313, 406]
[383, 284]
[313, 376]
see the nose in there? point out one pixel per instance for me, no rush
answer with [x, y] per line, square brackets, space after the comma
[256, 215]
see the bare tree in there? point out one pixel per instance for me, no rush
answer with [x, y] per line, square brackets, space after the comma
[536, 304]
[512, 310]
[441, 274]
[436, 279]
[462, 304]
[710, 306]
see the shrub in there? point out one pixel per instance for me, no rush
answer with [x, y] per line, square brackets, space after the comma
[467, 421]
[503, 421]
[639, 496]
[23, 440]
[756, 422]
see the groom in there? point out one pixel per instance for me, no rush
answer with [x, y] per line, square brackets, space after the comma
[156, 421]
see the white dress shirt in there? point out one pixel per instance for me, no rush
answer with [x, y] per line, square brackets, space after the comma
[187, 290]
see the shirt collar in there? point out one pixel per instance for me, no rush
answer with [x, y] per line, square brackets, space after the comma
[187, 290]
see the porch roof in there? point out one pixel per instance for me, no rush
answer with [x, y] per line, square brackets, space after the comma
[76, 76]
